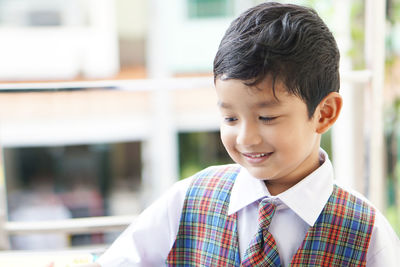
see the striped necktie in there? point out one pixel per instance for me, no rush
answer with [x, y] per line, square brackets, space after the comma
[262, 250]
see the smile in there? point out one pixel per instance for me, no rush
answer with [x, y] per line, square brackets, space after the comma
[255, 155]
[255, 158]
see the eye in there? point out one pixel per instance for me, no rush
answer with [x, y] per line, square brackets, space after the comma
[267, 119]
[230, 119]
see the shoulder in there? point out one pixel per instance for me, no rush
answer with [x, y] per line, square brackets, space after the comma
[214, 178]
[219, 173]
[173, 199]
[384, 249]
[179, 189]
[354, 199]
[349, 213]
[170, 204]
[384, 246]
[380, 220]
[148, 240]
[176, 194]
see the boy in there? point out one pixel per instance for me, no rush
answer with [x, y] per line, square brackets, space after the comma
[277, 81]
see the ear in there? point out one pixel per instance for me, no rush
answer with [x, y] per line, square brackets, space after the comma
[328, 111]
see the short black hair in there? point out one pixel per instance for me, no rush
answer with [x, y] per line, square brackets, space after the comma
[287, 41]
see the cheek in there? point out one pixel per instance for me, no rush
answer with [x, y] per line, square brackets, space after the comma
[300, 137]
[227, 137]
[284, 140]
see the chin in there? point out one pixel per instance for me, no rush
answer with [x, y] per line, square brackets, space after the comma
[259, 175]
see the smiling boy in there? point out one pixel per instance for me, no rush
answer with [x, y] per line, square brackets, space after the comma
[277, 81]
[271, 135]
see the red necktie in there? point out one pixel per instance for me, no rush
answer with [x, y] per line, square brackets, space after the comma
[263, 250]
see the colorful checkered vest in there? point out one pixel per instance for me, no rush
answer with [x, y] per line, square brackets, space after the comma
[207, 236]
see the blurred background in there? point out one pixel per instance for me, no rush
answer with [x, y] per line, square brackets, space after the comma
[105, 103]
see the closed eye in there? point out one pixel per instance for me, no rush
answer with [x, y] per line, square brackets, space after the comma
[267, 119]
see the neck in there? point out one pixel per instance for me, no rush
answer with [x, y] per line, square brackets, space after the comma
[278, 186]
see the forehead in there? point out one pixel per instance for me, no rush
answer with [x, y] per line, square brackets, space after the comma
[266, 93]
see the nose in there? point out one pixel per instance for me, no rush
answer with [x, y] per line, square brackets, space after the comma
[248, 135]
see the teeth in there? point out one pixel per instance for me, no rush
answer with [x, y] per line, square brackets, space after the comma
[258, 155]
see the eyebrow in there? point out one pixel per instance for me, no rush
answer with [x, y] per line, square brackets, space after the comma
[268, 104]
[263, 104]
[223, 105]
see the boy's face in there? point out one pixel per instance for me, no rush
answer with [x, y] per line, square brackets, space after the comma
[272, 137]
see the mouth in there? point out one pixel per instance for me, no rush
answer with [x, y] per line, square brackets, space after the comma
[256, 157]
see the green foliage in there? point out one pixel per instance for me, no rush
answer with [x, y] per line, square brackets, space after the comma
[198, 150]
[326, 143]
[357, 31]
[392, 138]
[393, 11]
[396, 11]
[392, 124]
[392, 214]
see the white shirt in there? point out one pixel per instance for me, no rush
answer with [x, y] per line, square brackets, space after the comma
[147, 241]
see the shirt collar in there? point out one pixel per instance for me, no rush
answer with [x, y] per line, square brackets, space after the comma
[301, 198]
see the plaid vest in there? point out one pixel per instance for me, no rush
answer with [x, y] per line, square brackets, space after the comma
[207, 236]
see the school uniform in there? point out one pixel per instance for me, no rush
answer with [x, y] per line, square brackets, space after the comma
[157, 234]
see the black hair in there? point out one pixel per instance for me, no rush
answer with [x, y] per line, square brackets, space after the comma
[287, 41]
